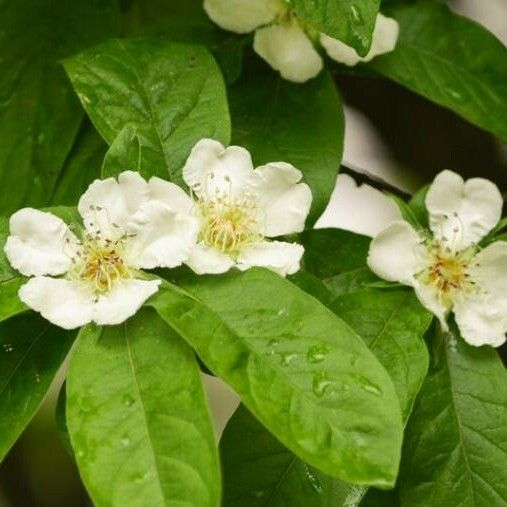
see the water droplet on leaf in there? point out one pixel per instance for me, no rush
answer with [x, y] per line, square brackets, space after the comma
[321, 384]
[317, 353]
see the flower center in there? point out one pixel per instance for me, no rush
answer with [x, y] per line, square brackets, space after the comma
[448, 271]
[229, 225]
[99, 263]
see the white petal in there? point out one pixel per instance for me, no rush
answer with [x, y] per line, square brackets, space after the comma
[278, 256]
[489, 269]
[39, 243]
[431, 300]
[63, 302]
[397, 254]
[170, 194]
[288, 50]
[482, 321]
[208, 260]
[161, 237]
[214, 170]
[284, 201]
[118, 199]
[123, 300]
[242, 16]
[462, 213]
[385, 36]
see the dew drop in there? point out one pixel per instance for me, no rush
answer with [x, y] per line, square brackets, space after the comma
[272, 345]
[314, 481]
[8, 347]
[454, 94]
[287, 357]
[259, 494]
[317, 353]
[321, 384]
[128, 400]
[125, 441]
[356, 14]
[37, 378]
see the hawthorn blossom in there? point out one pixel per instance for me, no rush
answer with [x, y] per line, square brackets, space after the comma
[238, 208]
[93, 274]
[287, 43]
[447, 267]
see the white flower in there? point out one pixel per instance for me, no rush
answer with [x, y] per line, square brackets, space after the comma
[286, 42]
[238, 207]
[94, 276]
[448, 269]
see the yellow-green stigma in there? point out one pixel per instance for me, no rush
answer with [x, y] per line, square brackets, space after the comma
[228, 225]
[99, 263]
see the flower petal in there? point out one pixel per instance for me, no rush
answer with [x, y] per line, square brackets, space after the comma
[63, 302]
[170, 194]
[119, 200]
[397, 254]
[489, 269]
[431, 300]
[285, 202]
[288, 50]
[385, 36]
[208, 260]
[278, 256]
[39, 243]
[242, 16]
[212, 170]
[482, 321]
[123, 301]
[160, 237]
[462, 213]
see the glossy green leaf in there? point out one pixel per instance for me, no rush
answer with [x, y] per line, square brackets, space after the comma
[418, 206]
[172, 93]
[338, 258]
[300, 124]
[31, 352]
[456, 441]
[392, 323]
[303, 373]
[407, 212]
[10, 280]
[61, 419]
[81, 167]
[260, 472]
[39, 113]
[186, 21]
[451, 60]
[351, 21]
[125, 153]
[138, 419]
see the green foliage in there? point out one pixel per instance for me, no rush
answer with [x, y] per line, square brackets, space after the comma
[303, 373]
[456, 440]
[300, 124]
[31, 352]
[172, 93]
[81, 167]
[39, 113]
[452, 61]
[259, 471]
[351, 21]
[137, 417]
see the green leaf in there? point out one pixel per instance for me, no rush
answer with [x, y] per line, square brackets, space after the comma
[456, 440]
[31, 352]
[338, 258]
[125, 153]
[406, 211]
[418, 206]
[303, 373]
[451, 60]
[392, 323]
[39, 114]
[259, 471]
[81, 167]
[138, 419]
[351, 21]
[61, 419]
[172, 93]
[10, 280]
[186, 21]
[301, 124]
